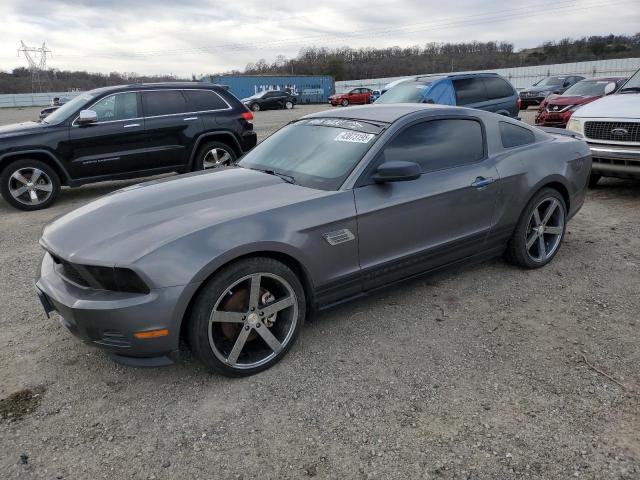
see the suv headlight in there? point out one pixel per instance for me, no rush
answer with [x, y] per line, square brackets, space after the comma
[575, 125]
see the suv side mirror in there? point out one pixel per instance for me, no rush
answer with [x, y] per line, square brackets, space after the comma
[609, 88]
[87, 117]
[397, 171]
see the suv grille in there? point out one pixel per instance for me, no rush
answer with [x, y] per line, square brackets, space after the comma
[613, 131]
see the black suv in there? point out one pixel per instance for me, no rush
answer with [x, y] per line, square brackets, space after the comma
[122, 132]
[268, 99]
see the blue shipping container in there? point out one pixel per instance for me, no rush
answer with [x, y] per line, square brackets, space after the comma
[307, 88]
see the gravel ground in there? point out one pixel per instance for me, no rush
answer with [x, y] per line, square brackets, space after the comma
[476, 373]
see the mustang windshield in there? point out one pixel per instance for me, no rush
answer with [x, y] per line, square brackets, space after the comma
[317, 153]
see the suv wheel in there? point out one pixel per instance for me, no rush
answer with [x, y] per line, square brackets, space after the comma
[288, 105]
[246, 317]
[214, 155]
[29, 184]
[540, 230]
[255, 107]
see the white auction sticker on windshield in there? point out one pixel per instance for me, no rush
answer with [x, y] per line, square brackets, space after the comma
[354, 137]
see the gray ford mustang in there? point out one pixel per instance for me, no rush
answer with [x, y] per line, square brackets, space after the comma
[332, 206]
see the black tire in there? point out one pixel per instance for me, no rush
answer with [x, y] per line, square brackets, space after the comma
[205, 159]
[524, 106]
[213, 343]
[255, 107]
[345, 103]
[46, 188]
[594, 178]
[288, 105]
[517, 251]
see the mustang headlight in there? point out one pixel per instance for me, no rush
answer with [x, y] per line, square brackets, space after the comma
[575, 125]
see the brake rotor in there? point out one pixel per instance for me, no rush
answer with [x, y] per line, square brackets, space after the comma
[238, 301]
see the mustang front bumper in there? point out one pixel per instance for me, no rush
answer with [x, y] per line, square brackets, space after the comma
[108, 319]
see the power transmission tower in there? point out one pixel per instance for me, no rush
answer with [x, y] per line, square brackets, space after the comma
[37, 58]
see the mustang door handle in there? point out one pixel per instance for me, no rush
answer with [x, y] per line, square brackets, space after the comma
[482, 182]
[131, 125]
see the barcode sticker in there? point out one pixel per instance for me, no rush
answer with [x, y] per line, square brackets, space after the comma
[354, 137]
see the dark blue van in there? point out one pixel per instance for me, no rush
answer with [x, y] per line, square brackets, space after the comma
[485, 91]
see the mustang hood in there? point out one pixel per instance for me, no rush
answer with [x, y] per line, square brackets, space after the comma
[122, 227]
[625, 105]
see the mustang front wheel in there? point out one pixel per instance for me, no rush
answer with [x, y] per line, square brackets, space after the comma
[246, 317]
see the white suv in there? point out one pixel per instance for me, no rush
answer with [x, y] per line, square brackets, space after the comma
[611, 127]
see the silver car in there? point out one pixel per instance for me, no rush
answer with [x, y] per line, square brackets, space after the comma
[329, 208]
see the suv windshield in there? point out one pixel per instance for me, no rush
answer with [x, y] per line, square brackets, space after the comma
[65, 110]
[588, 88]
[317, 153]
[550, 81]
[633, 84]
[410, 92]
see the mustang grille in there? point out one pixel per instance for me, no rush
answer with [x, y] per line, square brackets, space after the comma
[613, 131]
[69, 271]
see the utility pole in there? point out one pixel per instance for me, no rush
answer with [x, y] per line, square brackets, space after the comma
[37, 59]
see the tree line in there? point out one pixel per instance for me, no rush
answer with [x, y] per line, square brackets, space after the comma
[19, 80]
[345, 63]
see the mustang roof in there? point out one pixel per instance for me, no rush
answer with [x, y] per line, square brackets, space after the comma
[388, 113]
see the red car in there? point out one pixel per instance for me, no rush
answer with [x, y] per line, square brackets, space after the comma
[555, 110]
[357, 96]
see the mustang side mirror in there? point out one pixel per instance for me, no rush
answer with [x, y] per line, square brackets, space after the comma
[87, 117]
[396, 171]
[609, 88]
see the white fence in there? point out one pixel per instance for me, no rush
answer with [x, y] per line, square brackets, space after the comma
[522, 77]
[32, 99]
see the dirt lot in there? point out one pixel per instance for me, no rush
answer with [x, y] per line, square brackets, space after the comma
[472, 374]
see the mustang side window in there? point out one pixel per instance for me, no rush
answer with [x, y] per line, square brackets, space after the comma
[122, 106]
[438, 144]
[515, 136]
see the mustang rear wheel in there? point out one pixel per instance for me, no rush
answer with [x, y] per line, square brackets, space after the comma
[246, 317]
[540, 230]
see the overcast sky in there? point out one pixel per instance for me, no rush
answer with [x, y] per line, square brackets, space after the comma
[206, 36]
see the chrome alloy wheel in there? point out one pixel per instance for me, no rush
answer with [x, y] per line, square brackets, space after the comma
[30, 186]
[545, 229]
[216, 157]
[253, 320]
